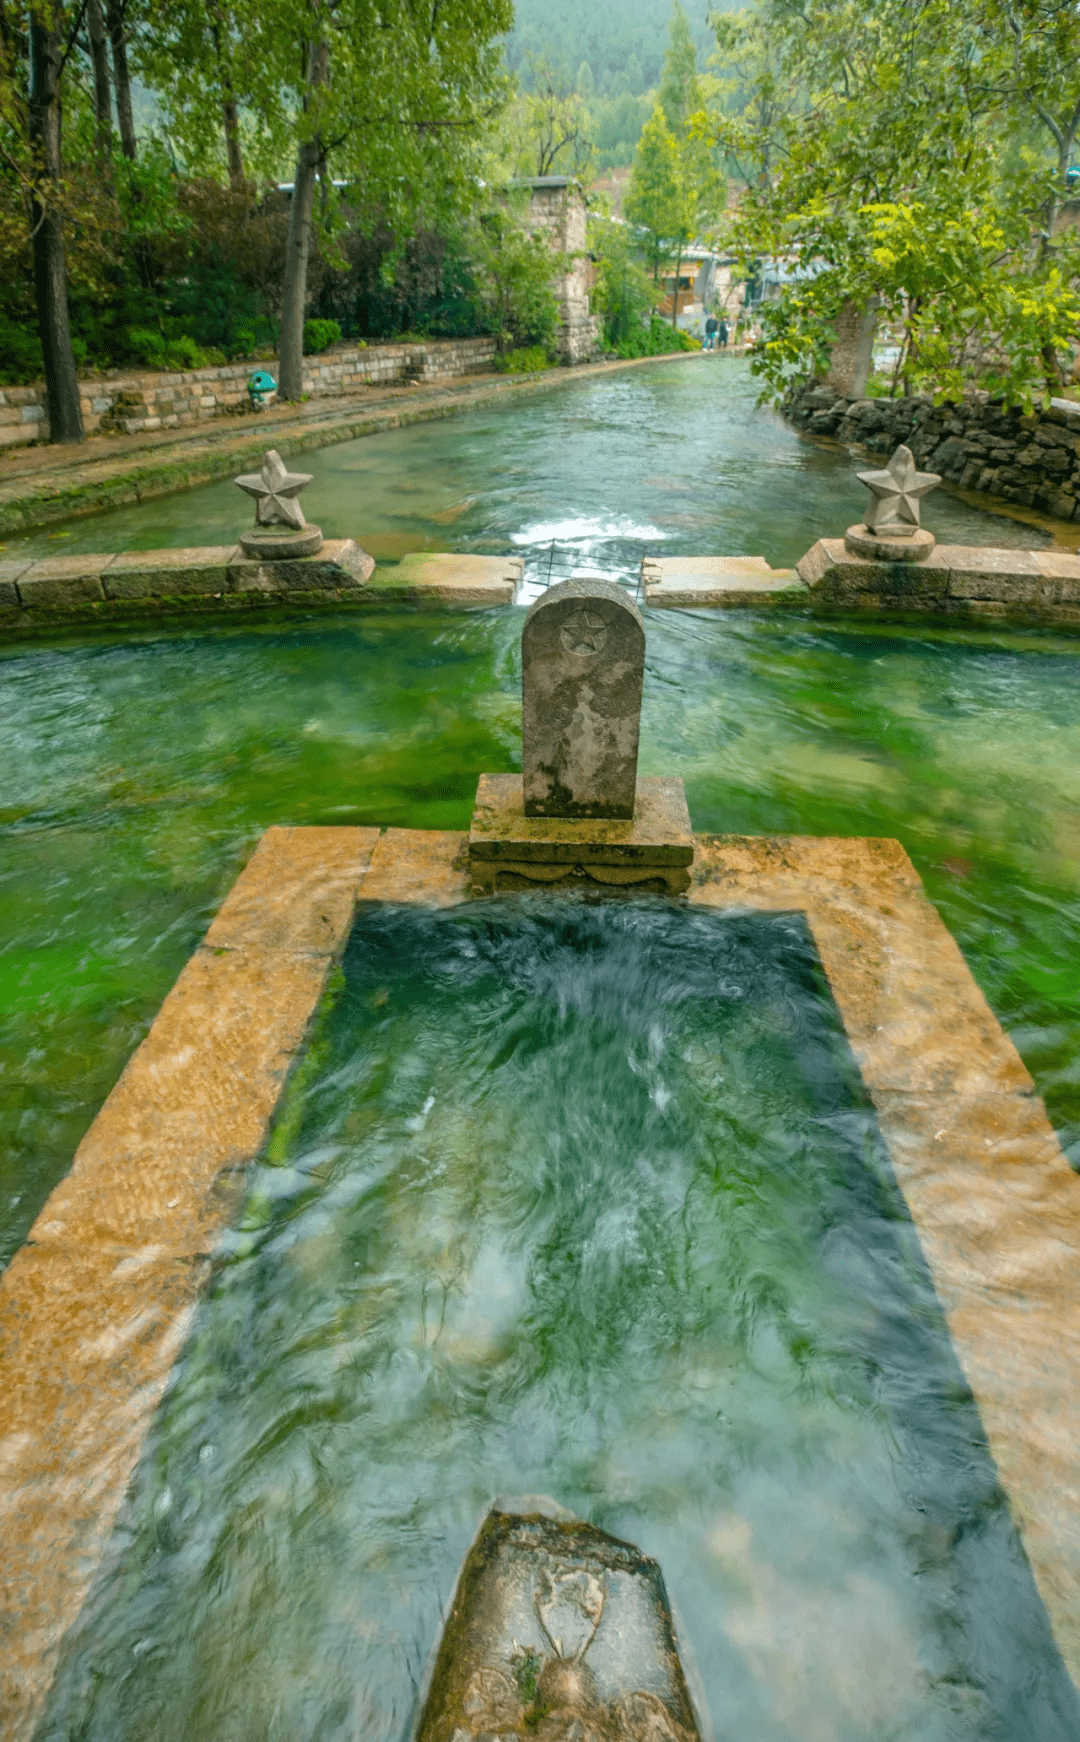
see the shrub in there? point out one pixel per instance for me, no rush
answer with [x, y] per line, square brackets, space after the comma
[320, 335]
[515, 269]
[526, 361]
[20, 349]
[658, 339]
[623, 293]
[145, 345]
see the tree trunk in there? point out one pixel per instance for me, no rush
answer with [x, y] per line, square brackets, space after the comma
[50, 263]
[114, 12]
[230, 114]
[675, 293]
[233, 154]
[99, 55]
[1052, 367]
[298, 242]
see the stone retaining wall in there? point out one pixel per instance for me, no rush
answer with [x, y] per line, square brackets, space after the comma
[978, 445]
[131, 403]
[975, 582]
[45, 595]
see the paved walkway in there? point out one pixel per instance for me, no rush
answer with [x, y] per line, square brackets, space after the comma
[44, 484]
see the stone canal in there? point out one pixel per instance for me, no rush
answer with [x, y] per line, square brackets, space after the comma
[576, 1200]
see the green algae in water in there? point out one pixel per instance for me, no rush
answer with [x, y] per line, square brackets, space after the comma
[583, 1200]
[141, 768]
[143, 771]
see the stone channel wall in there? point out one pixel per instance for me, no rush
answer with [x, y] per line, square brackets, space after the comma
[978, 445]
[48, 594]
[131, 403]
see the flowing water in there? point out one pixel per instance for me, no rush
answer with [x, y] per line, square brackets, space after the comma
[652, 1249]
[583, 1201]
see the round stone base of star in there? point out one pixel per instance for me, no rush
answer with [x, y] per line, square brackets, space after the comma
[277, 542]
[892, 548]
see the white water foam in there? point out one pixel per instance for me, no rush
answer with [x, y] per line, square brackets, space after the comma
[586, 531]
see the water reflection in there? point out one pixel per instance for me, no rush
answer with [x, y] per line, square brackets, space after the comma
[582, 1200]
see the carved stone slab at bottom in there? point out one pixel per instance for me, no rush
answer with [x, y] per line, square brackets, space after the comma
[651, 853]
[557, 1633]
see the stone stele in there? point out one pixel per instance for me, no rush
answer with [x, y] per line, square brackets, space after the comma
[557, 1632]
[582, 664]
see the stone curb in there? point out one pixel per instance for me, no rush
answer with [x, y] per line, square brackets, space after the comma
[37, 598]
[969, 581]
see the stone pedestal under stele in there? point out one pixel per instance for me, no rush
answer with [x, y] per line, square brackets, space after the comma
[578, 814]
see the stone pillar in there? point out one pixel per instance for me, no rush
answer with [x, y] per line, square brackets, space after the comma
[852, 356]
[582, 665]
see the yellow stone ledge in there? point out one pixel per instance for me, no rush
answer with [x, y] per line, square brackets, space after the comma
[95, 1308]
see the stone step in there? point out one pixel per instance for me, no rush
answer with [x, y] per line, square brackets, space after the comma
[719, 580]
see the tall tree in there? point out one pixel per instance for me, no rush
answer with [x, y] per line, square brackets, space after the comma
[654, 200]
[672, 196]
[889, 161]
[116, 15]
[99, 59]
[394, 97]
[52, 33]
[230, 113]
[548, 128]
[679, 94]
[309, 160]
[206, 74]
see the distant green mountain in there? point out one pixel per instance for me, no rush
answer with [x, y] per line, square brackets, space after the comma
[621, 41]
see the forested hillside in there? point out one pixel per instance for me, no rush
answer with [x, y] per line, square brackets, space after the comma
[621, 41]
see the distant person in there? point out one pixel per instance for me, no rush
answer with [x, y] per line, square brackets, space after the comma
[709, 340]
[723, 335]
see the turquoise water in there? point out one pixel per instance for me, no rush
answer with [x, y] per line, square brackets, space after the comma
[580, 1200]
[140, 773]
[673, 458]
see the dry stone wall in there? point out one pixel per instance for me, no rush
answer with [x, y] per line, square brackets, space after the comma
[979, 445]
[152, 401]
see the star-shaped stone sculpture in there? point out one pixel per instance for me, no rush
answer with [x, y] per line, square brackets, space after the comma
[895, 495]
[275, 491]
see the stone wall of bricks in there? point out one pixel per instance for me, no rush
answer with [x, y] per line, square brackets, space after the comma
[1034, 460]
[151, 401]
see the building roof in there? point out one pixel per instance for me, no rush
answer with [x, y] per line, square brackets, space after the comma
[545, 181]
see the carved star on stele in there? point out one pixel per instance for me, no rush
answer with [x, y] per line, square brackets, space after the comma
[584, 633]
[275, 491]
[896, 494]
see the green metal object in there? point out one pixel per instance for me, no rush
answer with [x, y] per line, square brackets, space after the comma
[260, 387]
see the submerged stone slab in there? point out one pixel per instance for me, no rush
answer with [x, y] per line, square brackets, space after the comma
[557, 1632]
[651, 852]
[340, 567]
[992, 1196]
[733, 581]
[94, 588]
